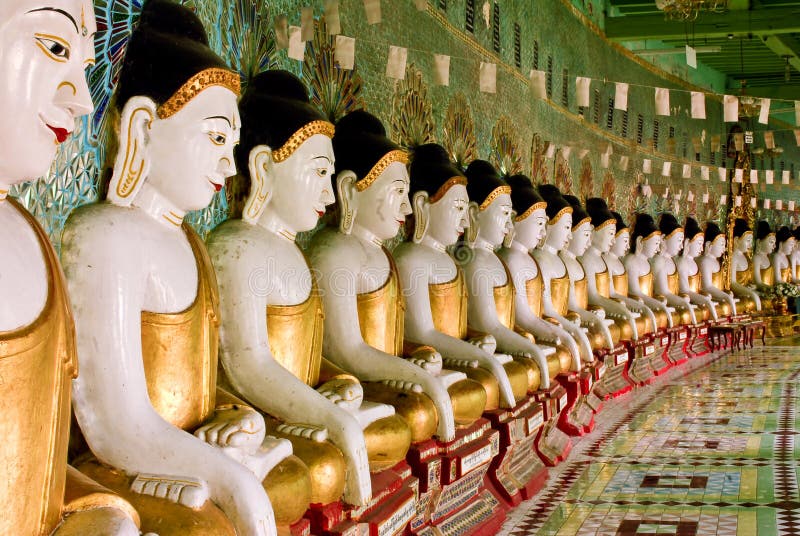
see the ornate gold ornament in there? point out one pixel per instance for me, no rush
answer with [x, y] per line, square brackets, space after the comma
[505, 154]
[334, 91]
[446, 186]
[459, 131]
[497, 192]
[298, 138]
[196, 84]
[398, 155]
[563, 174]
[538, 160]
[534, 207]
[412, 116]
[587, 179]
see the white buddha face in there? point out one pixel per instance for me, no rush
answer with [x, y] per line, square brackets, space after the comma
[191, 152]
[302, 184]
[622, 243]
[581, 238]
[672, 244]
[448, 217]
[45, 48]
[494, 222]
[384, 205]
[603, 238]
[787, 246]
[559, 232]
[694, 247]
[651, 244]
[767, 245]
[532, 230]
[717, 247]
[745, 242]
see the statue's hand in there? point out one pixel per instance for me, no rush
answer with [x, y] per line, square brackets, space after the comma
[186, 490]
[235, 426]
[487, 343]
[344, 392]
[427, 358]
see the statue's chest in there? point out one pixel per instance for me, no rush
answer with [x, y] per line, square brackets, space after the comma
[374, 272]
[551, 266]
[171, 285]
[615, 266]
[291, 279]
[574, 269]
[23, 273]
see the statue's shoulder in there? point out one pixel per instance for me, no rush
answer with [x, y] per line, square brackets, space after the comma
[235, 241]
[331, 249]
[101, 224]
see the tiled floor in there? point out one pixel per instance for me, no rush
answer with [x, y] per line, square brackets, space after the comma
[707, 450]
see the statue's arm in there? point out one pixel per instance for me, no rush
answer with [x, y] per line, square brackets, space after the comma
[106, 276]
[254, 372]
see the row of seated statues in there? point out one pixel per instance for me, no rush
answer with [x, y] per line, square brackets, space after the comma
[242, 385]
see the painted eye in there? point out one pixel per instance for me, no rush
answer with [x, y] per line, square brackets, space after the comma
[55, 48]
[217, 138]
[322, 172]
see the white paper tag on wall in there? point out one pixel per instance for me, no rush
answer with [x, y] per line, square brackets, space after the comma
[698, 105]
[647, 166]
[737, 201]
[763, 114]
[538, 84]
[723, 200]
[779, 204]
[791, 205]
[723, 174]
[396, 64]
[785, 176]
[691, 57]
[662, 101]
[767, 203]
[345, 52]
[769, 176]
[738, 175]
[442, 72]
[621, 96]
[704, 173]
[488, 77]
[666, 169]
[297, 47]
[753, 176]
[582, 85]
[687, 171]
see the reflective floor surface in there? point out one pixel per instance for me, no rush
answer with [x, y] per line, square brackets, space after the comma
[707, 450]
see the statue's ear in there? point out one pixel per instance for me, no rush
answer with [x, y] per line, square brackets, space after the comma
[346, 189]
[472, 230]
[132, 163]
[260, 166]
[422, 209]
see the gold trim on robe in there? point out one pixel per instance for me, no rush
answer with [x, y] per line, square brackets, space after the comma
[295, 336]
[768, 275]
[381, 314]
[559, 294]
[180, 350]
[621, 283]
[745, 277]
[534, 290]
[603, 284]
[449, 306]
[673, 284]
[37, 365]
[504, 301]
[646, 284]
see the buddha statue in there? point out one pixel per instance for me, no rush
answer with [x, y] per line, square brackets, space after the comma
[579, 242]
[361, 293]
[689, 273]
[794, 257]
[763, 270]
[665, 272]
[436, 305]
[785, 243]
[646, 239]
[742, 268]
[271, 331]
[44, 51]
[618, 290]
[630, 324]
[530, 221]
[145, 299]
[712, 280]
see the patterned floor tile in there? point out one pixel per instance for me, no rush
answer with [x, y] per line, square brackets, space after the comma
[708, 450]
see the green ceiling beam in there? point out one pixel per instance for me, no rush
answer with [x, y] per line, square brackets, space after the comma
[785, 47]
[760, 22]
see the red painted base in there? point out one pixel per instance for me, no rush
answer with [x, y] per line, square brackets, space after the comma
[698, 340]
[392, 507]
[575, 416]
[552, 444]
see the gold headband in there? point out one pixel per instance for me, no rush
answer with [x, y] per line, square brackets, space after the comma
[605, 223]
[656, 232]
[675, 230]
[398, 155]
[202, 80]
[497, 192]
[565, 210]
[584, 220]
[534, 207]
[446, 186]
[296, 140]
[622, 230]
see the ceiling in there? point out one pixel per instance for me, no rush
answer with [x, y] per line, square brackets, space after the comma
[756, 37]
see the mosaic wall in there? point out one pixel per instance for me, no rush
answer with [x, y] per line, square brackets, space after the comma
[510, 127]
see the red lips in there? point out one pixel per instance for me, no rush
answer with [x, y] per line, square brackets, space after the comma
[217, 187]
[320, 213]
[61, 133]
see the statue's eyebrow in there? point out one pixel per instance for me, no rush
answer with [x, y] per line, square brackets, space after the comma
[70, 17]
